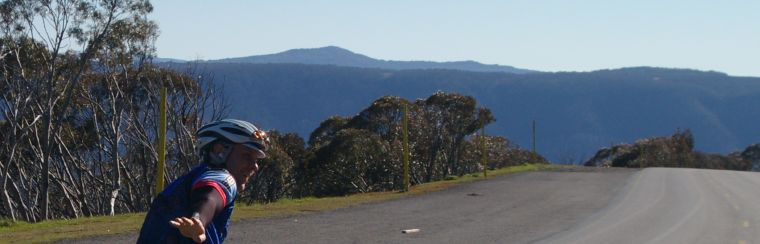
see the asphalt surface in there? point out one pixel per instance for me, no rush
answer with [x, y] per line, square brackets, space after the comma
[677, 206]
[517, 208]
[579, 205]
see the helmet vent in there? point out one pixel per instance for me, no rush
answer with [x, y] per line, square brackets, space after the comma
[236, 131]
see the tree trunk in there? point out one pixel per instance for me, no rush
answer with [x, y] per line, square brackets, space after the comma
[8, 199]
[46, 165]
[115, 158]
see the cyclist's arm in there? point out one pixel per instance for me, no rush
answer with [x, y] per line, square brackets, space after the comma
[207, 202]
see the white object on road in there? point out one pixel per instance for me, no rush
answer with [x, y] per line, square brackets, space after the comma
[410, 231]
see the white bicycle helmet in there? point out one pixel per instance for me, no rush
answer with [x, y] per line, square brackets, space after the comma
[234, 131]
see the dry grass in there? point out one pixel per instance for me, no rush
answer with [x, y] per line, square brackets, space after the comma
[107, 225]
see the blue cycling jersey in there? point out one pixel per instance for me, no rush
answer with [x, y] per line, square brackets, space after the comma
[174, 201]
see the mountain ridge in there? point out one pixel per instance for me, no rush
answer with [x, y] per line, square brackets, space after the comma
[577, 112]
[333, 55]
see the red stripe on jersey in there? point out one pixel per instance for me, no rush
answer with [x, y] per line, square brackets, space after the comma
[215, 185]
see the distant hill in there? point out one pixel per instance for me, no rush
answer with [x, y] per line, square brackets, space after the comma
[577, 113]
[333, 55]
[168, 60]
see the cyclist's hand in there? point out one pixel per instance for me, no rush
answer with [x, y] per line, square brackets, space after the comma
[190, 228]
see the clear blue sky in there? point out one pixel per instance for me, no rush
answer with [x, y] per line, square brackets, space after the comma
[541, 35]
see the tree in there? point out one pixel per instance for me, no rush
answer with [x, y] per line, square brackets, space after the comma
[438, 128]
[500, 153]
[383, 118]
[449, 118]
[41, 32]
[355, 161]
[274, 178]
[78, 100]
[326, 131]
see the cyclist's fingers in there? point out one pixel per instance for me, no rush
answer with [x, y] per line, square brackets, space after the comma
[188, 222]
[178, 221]
[182, 221]
[196, 222]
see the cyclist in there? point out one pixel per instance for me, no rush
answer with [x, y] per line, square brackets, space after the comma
[197, 206]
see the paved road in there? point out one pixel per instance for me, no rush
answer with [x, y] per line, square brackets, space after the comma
[512, 209]
[586, 205]
[518, 208]
[677, 206]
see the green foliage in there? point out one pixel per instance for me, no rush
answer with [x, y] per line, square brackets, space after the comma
[355, 161]
[676, 150]
[363, 153]
[500, 153]
[275, 172]
[383, 117]
[326, 130]
[716, 161]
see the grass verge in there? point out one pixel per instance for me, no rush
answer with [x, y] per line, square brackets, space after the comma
[47, 231]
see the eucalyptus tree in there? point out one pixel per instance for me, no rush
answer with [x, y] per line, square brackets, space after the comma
[438, 127]
[383, 117]
[61, 41]
[274, 179]
[78, 103]
[449, 118]
[326, 131]
[355, 161]
[300, 183]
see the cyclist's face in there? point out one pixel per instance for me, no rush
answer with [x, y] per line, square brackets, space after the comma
[242, 164]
